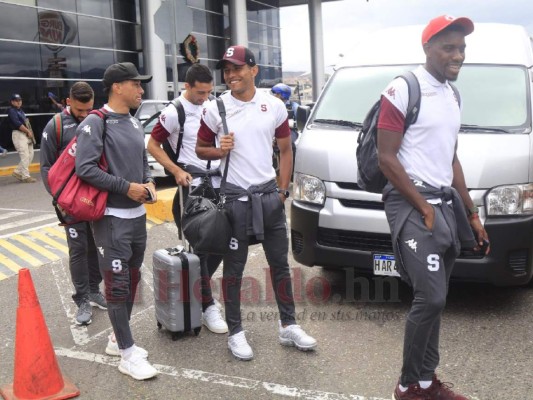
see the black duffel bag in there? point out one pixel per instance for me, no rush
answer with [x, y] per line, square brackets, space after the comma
[206, 223]
[205, 220]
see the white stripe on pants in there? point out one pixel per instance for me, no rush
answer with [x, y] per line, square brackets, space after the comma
[24, 147]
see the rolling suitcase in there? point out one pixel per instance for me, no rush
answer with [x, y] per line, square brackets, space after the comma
[177, 278]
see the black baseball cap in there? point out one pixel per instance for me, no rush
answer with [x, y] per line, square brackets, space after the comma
[238, 55]
[121, 72]
[15, 96]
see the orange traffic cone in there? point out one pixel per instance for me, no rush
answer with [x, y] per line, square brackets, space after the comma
[37, 374]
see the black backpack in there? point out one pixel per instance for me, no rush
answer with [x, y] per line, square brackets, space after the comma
[369, 175]
[171, 153]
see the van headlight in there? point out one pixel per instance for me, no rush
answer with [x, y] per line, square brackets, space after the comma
[308, 188]
[510, 200]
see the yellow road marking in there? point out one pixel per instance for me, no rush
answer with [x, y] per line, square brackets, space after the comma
[2, 276]
[20, 253]
[53, 231]
[42, 237]
[9, 264]
[39, 249]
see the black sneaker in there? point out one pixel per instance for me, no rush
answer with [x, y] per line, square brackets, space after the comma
[85, 313]
[98, 300]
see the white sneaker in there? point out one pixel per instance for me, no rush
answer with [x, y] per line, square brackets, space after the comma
[113, 350]
[137, 367]
[239, 347]
[294, 335]
[213, 320]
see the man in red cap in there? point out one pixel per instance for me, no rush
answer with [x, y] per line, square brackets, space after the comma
[427, 203]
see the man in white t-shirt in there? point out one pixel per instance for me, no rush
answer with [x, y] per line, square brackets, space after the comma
[188, 169]
[255, 202]
[426, 200]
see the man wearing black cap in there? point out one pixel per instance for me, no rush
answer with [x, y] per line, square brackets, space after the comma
[120, 236]
[255, 202]
[23, 139]
[426, 199]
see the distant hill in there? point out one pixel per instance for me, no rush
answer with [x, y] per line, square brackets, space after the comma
[292, 74]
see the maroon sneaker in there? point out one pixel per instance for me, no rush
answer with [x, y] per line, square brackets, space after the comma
[413, 392]
[443, 391]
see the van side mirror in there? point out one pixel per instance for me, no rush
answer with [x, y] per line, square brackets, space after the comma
[302, 114]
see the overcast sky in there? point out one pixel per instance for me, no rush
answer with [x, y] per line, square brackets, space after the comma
[345, 21]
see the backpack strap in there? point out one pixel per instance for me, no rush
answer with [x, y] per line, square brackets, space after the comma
[222, 112]
[58, 129]
[456, 92]
[181, 120]
[413, 105]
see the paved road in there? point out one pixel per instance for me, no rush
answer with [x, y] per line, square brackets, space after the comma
[486, 338]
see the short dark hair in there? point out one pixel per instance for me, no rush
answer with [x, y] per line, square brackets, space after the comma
[198, 73]
[82, 91]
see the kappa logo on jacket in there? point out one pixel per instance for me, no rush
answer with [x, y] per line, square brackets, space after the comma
[86, 129]
[134, 123]
[412, 244]
[45, 135]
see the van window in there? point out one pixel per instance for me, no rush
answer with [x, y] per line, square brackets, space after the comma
[352, 91]
[495, 96]
[492, 96]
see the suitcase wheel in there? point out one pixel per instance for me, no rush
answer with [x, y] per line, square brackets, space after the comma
[176, 336]
[197, 330]
[159, 326]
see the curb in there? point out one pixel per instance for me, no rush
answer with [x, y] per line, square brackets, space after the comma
[7, 171]
[162, 208]
[160, 211]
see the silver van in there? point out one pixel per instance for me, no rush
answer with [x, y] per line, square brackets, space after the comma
[335, 224]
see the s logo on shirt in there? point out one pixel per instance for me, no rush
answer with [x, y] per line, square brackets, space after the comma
[264, 107]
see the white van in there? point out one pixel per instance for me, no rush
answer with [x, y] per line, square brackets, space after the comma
[335, 224]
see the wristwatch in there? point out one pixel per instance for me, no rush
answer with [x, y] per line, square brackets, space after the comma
[473, 210]
[284, 192]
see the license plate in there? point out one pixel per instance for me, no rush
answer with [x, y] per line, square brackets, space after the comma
[385, 265]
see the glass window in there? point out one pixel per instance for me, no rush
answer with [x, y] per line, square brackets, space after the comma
[18, 22]
[100, 8]
[94, 63]
[265, 55]
[126, 10]
[57, 27]
[60, 62]
[210, 45]
[63, 5]
[352, 92]
[268, 76]
[134, 58]
[126, 36]
[95, 32]
[210, 5]
[19, 59]
[504, 103]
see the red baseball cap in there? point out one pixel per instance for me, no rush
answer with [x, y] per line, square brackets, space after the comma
[438, 24]
[238, 55]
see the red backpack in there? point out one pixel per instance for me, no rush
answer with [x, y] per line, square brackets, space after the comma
[74, 199]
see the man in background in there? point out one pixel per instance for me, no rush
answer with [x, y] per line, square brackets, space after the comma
[83, 260]
[23, 139]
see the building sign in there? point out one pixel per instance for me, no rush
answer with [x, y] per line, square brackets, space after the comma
[56, 28]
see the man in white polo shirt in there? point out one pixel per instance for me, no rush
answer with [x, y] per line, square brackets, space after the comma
[256, 203]
[189, 170]
[426, 199]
